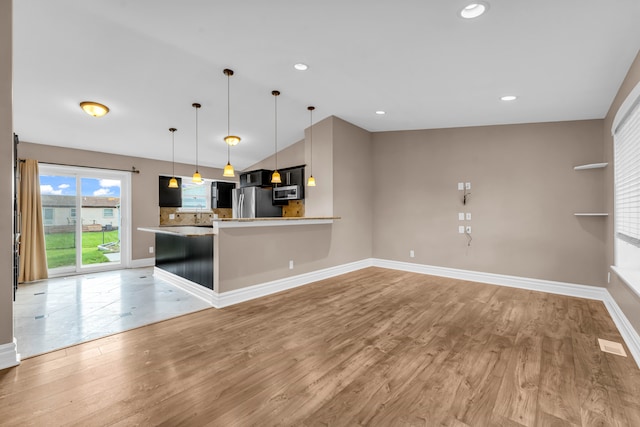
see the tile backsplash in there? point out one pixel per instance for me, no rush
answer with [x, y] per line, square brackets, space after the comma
[191, 218]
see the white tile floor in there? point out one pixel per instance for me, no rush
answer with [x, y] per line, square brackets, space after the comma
[60, 312]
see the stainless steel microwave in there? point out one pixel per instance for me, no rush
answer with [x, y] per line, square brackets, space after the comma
[288, 192]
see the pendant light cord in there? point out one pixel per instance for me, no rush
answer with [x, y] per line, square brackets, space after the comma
[228, 114]
[311, 134]
[197, 106]
[276, 124]
[173, 151]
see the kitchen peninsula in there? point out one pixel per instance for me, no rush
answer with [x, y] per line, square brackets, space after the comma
[190, 256]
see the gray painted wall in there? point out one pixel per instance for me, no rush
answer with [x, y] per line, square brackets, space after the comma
[524, 193]
[6, 174]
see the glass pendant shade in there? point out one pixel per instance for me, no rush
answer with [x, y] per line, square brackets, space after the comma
[173, 183]
[275, 178]
[232, 140]
[311, 182]
[228, 171]
[196, 178]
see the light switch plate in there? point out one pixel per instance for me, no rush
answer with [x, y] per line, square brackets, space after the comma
[468, 216]
[461, 186]
[460, 216]
[461, 229]
[467, 185]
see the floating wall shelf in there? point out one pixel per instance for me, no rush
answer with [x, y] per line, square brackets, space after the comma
[591, 214]
[591, 166]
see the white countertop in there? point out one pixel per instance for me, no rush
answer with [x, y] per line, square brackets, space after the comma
[271, 222]
[182, 230]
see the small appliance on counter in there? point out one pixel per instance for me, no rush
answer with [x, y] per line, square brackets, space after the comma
[254, 202]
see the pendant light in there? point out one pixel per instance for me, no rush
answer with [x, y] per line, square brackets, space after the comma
[197, 178]
[173, 182]
[311, 182]
[229, 139]
[275, 178]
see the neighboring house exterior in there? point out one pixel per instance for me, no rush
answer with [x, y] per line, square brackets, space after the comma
[60, 213]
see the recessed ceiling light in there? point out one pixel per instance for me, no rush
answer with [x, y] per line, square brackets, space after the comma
[301, 67]
[94, 109]
[473, 10]
[381, 113]
[508, 98]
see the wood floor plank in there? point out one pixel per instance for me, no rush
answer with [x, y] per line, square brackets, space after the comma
[518, 395]
[558, 395]
[372, 347]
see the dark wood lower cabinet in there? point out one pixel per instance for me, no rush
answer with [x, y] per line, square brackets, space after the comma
[190, 257]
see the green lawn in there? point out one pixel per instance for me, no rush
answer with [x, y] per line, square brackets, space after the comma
[61, 250]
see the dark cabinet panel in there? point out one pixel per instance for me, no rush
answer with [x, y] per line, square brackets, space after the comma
[257, 178]
[169, 197]
[221, 194]
[186, 256]
[292, 176]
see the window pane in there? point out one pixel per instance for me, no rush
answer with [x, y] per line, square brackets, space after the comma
[195, 196]
[627, 191]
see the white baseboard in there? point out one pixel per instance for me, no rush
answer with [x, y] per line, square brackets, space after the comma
[199, 291]
[143, 262]
[560, 288]
[9, 356]
[226, 299]
[628, 333]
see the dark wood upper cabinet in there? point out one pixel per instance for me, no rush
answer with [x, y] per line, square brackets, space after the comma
[221, 194]
[169, 197]
[256, 178]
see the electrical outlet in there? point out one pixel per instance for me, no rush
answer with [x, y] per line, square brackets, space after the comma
[467, 185]
[150, 249]
[468, 216]
[468, 230]
[172, 216]
[460, 216]
[290, 264]
[461, 229]
[461, 186]
[412, 254]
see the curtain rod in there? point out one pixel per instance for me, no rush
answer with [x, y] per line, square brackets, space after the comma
[132, 170]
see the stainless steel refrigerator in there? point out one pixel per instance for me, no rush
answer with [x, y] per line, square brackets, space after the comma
[254, 202]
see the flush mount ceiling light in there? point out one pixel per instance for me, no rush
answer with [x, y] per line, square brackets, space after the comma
[275, 178]
[301, 67]
[381, 113]
[312, 181]
[94, 109]
[196, 178]
[173, 182]
[508, 98]
[473, 10]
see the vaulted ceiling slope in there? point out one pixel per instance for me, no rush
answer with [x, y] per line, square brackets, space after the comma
[419, 61]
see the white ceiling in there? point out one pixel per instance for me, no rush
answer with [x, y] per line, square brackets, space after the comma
[149, 60]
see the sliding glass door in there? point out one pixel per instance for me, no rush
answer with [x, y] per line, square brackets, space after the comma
[84, 213]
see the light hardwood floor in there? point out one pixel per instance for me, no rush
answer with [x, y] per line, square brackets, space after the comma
[375, 347]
